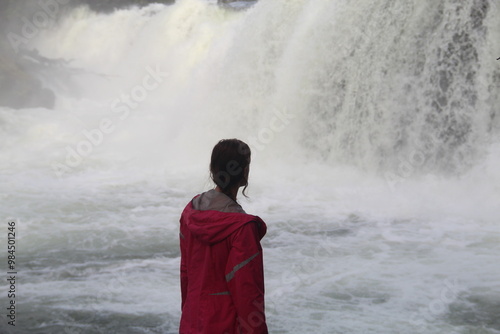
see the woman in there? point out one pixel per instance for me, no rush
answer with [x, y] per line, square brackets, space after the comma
[222, 279]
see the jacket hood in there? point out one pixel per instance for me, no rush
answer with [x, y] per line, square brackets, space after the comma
[212, 226]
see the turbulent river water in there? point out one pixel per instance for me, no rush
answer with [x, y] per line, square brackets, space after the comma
[374, 129]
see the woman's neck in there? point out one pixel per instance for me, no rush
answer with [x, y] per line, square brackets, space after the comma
[231, 193]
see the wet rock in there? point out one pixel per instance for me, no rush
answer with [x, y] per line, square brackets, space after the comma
[20, 88]
[107, 6]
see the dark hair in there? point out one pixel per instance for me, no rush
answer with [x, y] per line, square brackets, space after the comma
[230, 158]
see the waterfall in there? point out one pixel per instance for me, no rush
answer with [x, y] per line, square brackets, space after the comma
[346, 82]
[374, 128]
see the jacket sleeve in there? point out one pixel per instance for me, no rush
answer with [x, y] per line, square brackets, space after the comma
[245, 279]
[183, 271]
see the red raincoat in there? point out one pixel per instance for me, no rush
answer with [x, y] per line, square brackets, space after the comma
[222, 279]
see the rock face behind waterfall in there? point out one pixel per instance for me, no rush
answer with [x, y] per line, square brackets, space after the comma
[20, 88]
[19, 85]
[107, 6]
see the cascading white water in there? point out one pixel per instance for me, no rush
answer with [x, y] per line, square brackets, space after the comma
[362, 88]
[374, 130]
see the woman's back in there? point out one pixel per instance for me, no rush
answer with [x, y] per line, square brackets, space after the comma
[222, 279]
